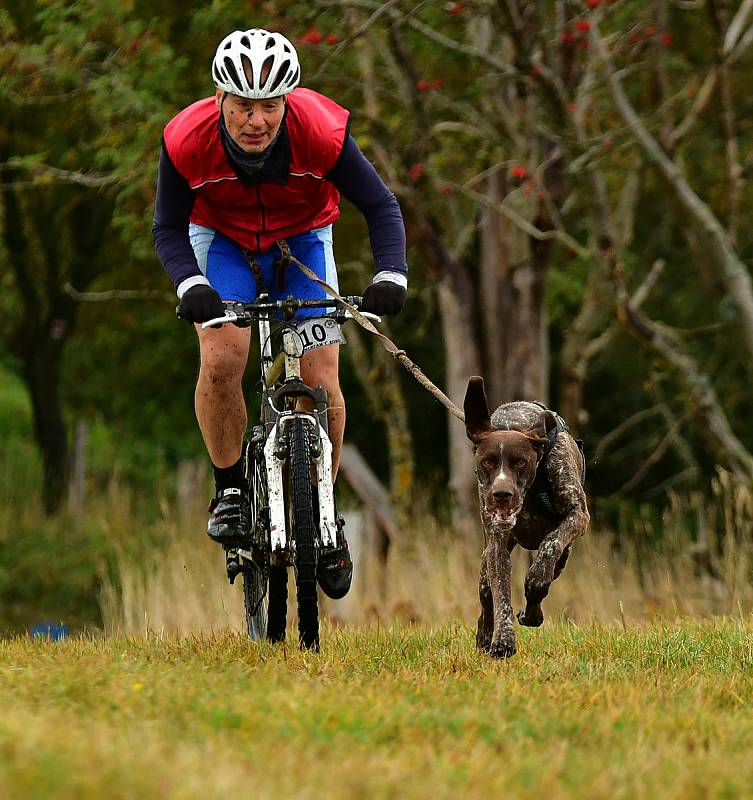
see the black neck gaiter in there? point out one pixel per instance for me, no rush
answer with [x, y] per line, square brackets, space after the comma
[247, 165]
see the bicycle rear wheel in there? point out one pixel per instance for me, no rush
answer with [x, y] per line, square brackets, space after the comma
[303, 521]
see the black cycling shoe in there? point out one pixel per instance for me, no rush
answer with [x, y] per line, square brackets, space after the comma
[229, 517]
[334, 572]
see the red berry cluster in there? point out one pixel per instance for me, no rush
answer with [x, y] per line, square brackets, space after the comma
[314, 36]
[424, 85]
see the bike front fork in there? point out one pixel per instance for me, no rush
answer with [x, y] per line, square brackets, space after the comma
[275, 454]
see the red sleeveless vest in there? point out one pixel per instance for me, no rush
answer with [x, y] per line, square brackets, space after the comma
[257, 216]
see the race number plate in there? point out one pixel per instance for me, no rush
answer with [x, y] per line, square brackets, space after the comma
[316, 332]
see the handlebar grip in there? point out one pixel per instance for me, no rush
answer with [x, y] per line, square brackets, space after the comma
[355, 300]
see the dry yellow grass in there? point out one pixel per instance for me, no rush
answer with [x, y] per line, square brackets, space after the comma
[433, 577]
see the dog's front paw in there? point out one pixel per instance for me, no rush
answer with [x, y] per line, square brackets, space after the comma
[537, 584]
[531, 617]
[504, 648]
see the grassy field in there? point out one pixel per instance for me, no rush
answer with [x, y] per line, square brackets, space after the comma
[658, 710]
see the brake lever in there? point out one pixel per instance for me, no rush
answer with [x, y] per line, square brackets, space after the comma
[218, 322]
[367, 314]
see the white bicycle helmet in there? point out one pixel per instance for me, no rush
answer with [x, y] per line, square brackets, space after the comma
[256, 64]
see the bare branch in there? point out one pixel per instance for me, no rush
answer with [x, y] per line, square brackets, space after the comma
[601, 342]
[739, 21]
[648, 283]
[118, 294]
[742, 46]
[25, 100]
[700, 103]
[520, 222]
[435, 36]
[656, 456]
[355, 33]
[704, 402]
[680, 477]
[92, 179]
[621, 429]
[721, 249]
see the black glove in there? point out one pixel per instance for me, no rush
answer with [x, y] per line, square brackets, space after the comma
[200, 303]
[384, 297]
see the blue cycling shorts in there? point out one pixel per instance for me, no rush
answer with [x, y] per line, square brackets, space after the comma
[225, 266]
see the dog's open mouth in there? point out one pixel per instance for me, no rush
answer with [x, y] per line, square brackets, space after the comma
[504, 517]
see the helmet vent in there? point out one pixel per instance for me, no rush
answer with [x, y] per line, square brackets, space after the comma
[281, 73]
[248, 69]
[270, 43]
[232, 74]
[266, 72]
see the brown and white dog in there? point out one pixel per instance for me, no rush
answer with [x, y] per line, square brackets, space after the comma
[530, 481]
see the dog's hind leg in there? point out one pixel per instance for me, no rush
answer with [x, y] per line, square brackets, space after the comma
[486, 619]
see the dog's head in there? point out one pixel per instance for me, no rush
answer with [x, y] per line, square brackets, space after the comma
[506, 461]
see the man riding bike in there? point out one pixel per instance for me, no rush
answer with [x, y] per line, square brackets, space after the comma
[259, 162]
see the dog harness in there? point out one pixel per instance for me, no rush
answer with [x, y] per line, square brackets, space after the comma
[541, 489]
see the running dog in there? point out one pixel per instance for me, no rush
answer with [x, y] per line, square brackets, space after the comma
[530, 482]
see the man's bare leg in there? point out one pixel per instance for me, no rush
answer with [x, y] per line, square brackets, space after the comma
[220, 407]
[320, 367]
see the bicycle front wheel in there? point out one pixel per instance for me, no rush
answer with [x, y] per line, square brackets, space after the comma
[255, 601]
[300, 499]
[256, 597]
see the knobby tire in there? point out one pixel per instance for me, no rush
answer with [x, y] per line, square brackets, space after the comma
[254, 589]
[304, 531]
[265, 605]
[278, 604]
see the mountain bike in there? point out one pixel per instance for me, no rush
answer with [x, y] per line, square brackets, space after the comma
[288, 526]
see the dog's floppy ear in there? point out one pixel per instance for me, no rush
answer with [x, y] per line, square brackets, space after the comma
[477, 422]
[539, 433]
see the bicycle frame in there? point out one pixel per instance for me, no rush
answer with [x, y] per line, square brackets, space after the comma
[274, 451]
[282, 453]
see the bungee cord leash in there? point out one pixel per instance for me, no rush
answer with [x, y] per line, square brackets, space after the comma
[386, 342]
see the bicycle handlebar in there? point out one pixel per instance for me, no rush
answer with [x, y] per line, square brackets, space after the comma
[243, 314]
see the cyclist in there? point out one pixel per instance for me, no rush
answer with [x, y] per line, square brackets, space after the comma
[265, 160]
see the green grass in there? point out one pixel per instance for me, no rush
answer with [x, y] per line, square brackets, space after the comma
[597, 712]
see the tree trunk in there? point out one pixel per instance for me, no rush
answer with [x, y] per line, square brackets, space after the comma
[513, 311]
[41, 367]
[573, 363]
[378, 374]
[463, 359]
[48, 239]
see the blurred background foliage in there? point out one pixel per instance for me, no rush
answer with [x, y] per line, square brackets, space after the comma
[447, 98]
